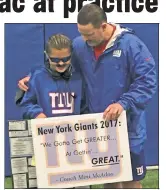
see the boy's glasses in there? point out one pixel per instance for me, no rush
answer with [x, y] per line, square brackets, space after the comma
[57, 60]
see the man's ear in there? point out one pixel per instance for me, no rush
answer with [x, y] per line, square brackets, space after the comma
[104, 26]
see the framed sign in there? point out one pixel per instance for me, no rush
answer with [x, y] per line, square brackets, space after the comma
[80, 150]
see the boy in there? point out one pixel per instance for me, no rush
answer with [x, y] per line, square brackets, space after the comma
[56, 89]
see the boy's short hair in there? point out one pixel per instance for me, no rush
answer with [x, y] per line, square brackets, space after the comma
[58, 41]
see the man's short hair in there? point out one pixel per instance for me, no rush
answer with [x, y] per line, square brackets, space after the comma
[91, 14]
[58, 41]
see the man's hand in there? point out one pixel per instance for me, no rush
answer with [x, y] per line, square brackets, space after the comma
[41, 115]
[21, 83]
[113, 111]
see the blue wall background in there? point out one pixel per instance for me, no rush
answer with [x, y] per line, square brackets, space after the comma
[24, 46]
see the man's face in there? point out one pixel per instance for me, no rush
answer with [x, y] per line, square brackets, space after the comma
[60, 59]
[93, 36]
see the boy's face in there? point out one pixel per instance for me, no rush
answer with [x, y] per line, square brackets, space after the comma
[60, 59]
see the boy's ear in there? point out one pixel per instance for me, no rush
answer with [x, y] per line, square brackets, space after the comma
[46, 54]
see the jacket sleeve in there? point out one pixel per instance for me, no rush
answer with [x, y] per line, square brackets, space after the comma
[20, 94]
[29, 106]
[75, 62]
[143, 77]
[84, 106]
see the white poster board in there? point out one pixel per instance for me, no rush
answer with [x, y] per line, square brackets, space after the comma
[80, 150]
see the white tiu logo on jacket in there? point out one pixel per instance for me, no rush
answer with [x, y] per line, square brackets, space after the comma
[62, 102]
[116, 53]
[140, 170]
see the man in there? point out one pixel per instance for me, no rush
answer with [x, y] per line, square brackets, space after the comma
[120, 74]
